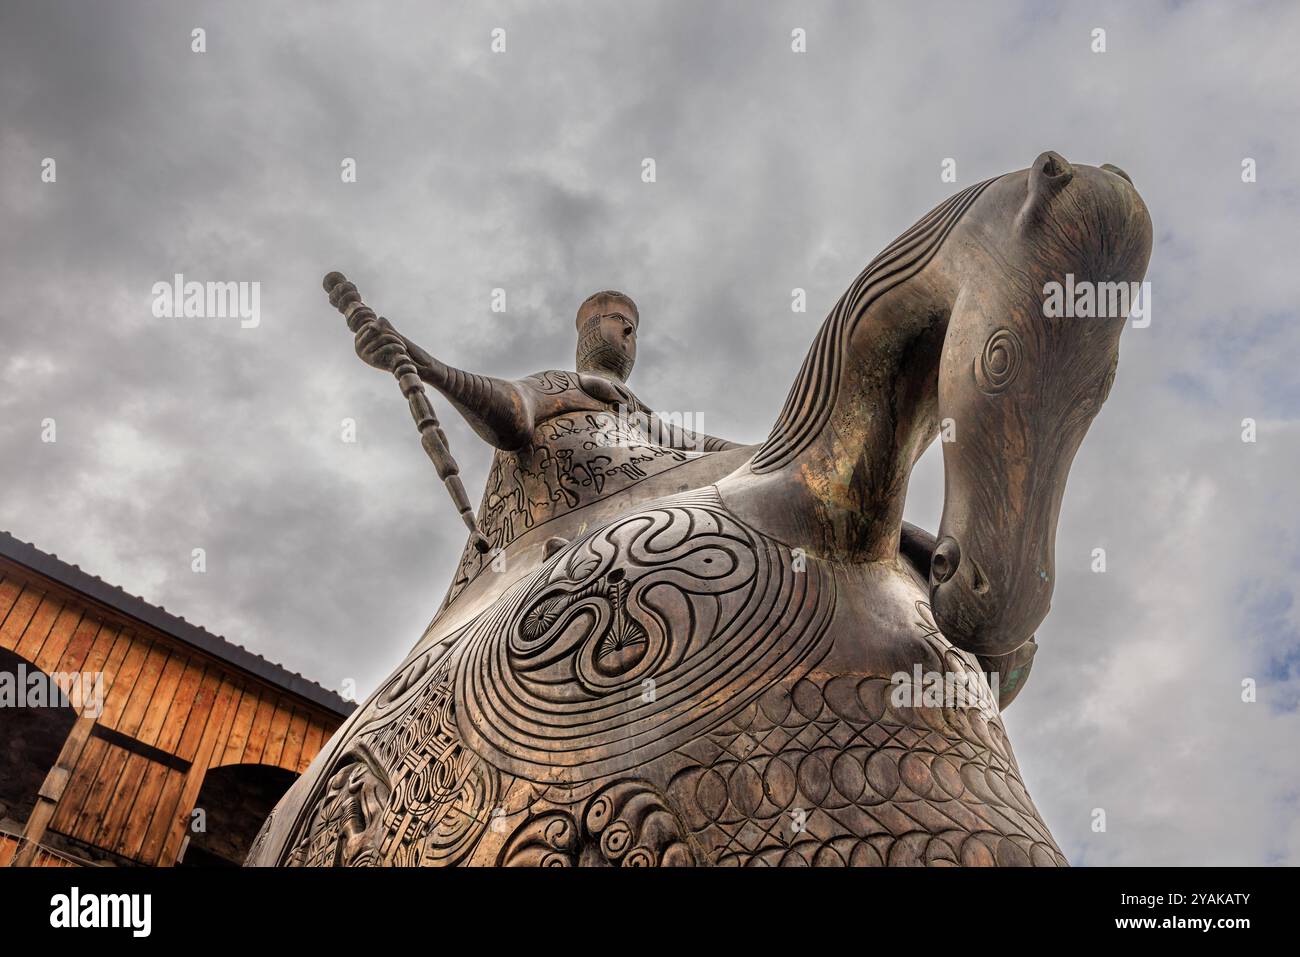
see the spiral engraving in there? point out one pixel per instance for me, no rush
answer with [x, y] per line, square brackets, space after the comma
[997, 366]
[585, 671]
[628, 824]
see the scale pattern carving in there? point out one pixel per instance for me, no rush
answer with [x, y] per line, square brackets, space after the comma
[826, 771]
[829, 771]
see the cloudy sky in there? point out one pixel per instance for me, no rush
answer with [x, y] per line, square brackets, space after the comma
[775, 170]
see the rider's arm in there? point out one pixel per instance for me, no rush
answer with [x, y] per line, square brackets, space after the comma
[498, 410]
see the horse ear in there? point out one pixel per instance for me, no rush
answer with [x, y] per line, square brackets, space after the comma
[1048, 175]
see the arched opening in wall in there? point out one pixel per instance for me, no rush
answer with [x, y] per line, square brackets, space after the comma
[235, 800]
[34, 723]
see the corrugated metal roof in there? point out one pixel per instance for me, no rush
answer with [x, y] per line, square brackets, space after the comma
[51, 566]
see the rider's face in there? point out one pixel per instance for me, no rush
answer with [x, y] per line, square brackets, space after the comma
[619, 332]
[607, 341]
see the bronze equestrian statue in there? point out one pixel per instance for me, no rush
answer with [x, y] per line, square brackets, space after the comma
[725, 655]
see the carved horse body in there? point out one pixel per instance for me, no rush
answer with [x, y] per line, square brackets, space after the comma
[713, 677]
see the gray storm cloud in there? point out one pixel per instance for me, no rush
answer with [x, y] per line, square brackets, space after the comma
[775, 170]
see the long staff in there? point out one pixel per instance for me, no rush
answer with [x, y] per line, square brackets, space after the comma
[345, 298]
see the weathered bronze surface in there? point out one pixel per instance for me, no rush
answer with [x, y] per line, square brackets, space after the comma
[679, 651]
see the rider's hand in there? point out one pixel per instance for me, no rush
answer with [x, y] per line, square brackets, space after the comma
[379, 345]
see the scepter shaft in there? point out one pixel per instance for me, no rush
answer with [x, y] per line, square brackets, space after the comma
[344, 297]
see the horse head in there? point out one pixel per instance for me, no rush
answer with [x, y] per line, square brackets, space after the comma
[1020, 381]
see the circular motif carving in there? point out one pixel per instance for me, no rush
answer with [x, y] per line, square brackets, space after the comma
[997, 366]
[814, 778]
[779, 783]
[711, 794]
[849, 775]
[634, 640]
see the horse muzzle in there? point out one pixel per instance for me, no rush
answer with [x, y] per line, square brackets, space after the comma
[980, 610]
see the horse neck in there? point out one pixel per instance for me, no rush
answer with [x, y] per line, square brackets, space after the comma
[864, 406]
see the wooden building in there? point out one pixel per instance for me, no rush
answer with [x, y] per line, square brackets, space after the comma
[173, 745]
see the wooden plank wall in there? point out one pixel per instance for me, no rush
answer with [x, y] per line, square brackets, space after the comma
[44, 858]
[161, 693]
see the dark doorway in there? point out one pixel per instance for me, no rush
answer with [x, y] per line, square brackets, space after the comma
[30, 741]
[235, 800]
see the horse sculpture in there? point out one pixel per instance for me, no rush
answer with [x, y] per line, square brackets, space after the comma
[727, 665]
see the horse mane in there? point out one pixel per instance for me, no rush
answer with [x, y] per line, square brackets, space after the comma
[808, 406]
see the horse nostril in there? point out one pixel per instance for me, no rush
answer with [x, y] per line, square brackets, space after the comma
[944, 561]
